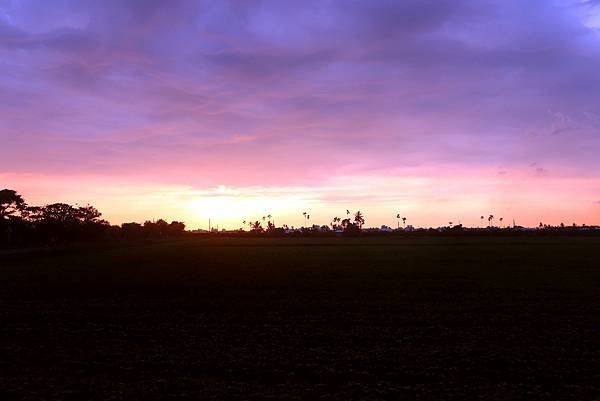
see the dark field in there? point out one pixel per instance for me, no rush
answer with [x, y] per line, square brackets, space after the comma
[344, 319]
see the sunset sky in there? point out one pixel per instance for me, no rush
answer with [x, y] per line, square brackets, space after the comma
[440, 110]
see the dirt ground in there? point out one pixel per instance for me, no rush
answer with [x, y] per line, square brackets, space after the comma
[298, 319]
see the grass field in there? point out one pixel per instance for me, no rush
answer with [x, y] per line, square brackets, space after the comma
[364, 318]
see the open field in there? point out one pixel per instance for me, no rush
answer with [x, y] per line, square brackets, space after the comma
[363, 318]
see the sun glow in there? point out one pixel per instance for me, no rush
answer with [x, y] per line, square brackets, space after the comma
[230, 208]
[427, 201]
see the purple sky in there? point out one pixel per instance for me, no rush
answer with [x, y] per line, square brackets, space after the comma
[388, 106]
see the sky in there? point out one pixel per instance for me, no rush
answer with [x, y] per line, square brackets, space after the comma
[440, 110]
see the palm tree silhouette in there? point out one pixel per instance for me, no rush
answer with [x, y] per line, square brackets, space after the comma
[501, 219]
[398, 217]
[491, 219]
[404, 222]
[256, 226]
[304, 214]
[359, 219]
[481, 221]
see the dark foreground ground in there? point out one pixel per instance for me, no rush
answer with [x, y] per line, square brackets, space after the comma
[343, 319]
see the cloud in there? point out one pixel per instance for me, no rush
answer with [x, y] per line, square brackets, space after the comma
[296, 91]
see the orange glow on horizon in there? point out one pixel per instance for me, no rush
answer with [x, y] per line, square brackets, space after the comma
[426, 201]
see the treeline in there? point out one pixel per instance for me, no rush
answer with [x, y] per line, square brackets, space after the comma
[61, 223]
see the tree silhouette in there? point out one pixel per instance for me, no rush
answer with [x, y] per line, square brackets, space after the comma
[350, 228]
[58, 223]
[10, 203]
[176, 228]
[398, 217]
[481, 221]
[88, 214]
[404, 222]
[491, 219]
[256, 227]
[270, 227]
[59, 212]
[131, 231]
[359, 219]
[501, 219]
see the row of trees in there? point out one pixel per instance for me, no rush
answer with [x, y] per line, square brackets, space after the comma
[25, 225]
[346, 225]
[349, 225]
[57, 223]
